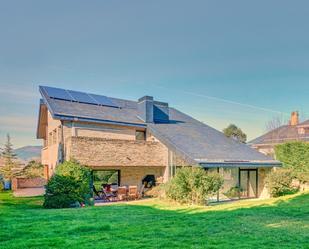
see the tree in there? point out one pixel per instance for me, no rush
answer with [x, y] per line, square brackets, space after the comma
[9, 159]
[274, 123]
[33, 169]
[236, 133]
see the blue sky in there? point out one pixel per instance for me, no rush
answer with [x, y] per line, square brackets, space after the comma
[200, 56]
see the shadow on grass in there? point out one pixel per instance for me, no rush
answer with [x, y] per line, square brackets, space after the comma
[282, 224]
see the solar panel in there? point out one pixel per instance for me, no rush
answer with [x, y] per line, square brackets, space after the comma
[58, 93]
[76, 96]
[103, 100]
[82, 97]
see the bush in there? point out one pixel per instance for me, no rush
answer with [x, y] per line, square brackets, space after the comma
[279, 182]
[233, 192]
[1, 186]
[33, 169]
[79, 173]
[193, 185]
[71, 184]
[62, 192]
[295, 156]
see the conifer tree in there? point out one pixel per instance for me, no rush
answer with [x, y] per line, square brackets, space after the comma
[9, 159]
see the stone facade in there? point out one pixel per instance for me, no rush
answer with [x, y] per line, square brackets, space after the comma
[98, 152]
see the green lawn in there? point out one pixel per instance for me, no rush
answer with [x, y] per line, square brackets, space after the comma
[274, 223]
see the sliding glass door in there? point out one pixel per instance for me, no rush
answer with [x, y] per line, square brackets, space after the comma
[248, 181]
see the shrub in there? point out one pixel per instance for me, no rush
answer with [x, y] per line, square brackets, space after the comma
[70, 185]
[193, 185]
[279, 182]
[33, 169]
[1, 186]
[233, 192]
[62, 192]
[81, 174]
[295, 156]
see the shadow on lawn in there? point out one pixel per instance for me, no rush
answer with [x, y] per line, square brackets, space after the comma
[282, 224]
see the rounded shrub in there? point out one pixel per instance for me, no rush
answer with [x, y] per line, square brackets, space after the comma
[193, 185]
[70, 186]
[62, 192]
[279, 182]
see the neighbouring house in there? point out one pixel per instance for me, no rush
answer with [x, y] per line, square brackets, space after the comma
[143, 139]
[293, 131]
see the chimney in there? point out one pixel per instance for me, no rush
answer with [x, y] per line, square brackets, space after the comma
[145, 109]
[151, 111]
[294, 118]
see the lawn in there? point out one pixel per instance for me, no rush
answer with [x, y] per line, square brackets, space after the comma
[273, 223]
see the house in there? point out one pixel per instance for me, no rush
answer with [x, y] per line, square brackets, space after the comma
[140, 139]
[293, 131]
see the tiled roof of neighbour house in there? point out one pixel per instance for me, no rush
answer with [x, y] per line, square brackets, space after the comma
[197, 142]
[285, 133]
[305, 123]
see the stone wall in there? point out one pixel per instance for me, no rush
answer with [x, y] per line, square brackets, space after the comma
[98, 152]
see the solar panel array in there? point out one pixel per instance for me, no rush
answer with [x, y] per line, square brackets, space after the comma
[80, 97]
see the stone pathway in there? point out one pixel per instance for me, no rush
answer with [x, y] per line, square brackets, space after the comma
[29, 192]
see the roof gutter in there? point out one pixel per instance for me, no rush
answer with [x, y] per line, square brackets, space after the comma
[237, 164]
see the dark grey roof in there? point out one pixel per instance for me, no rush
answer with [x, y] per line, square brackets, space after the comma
[285, 133]
[203, 143]
[194, 140]
[126, 114]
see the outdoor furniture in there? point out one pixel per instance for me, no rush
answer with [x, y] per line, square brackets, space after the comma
[122, 193]
[133, 193]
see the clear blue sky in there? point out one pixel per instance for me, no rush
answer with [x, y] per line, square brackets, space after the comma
[252, 52]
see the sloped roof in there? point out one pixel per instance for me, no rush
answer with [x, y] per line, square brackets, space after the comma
[203, 143]
[194, 140]
[285, 133]
[305, 123]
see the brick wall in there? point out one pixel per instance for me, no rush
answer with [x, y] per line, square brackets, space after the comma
[37, 182]
[98, 152]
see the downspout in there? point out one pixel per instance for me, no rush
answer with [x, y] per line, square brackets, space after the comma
[62, 142]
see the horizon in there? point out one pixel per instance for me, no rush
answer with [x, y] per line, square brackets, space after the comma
[220, 63]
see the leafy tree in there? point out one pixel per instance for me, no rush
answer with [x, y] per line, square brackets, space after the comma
[33, 169]
[236, 133]
[9, 160]
[295, 156]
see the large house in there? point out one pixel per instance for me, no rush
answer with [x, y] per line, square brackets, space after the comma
[293, 131]
[144, 138]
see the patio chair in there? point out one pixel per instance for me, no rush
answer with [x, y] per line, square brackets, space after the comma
[133, 193]
[122, 193]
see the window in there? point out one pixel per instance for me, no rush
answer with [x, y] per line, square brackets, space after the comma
[140, 135]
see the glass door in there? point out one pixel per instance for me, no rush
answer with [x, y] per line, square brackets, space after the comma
[248, 183]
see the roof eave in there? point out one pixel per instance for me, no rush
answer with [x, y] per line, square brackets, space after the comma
[237, 164]
[92, 120]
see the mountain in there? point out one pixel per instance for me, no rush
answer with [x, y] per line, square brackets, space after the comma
[27, 153]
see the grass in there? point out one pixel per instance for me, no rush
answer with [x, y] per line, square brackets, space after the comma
[273, 223]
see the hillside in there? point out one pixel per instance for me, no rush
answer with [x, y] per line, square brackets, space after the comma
[28, 152]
